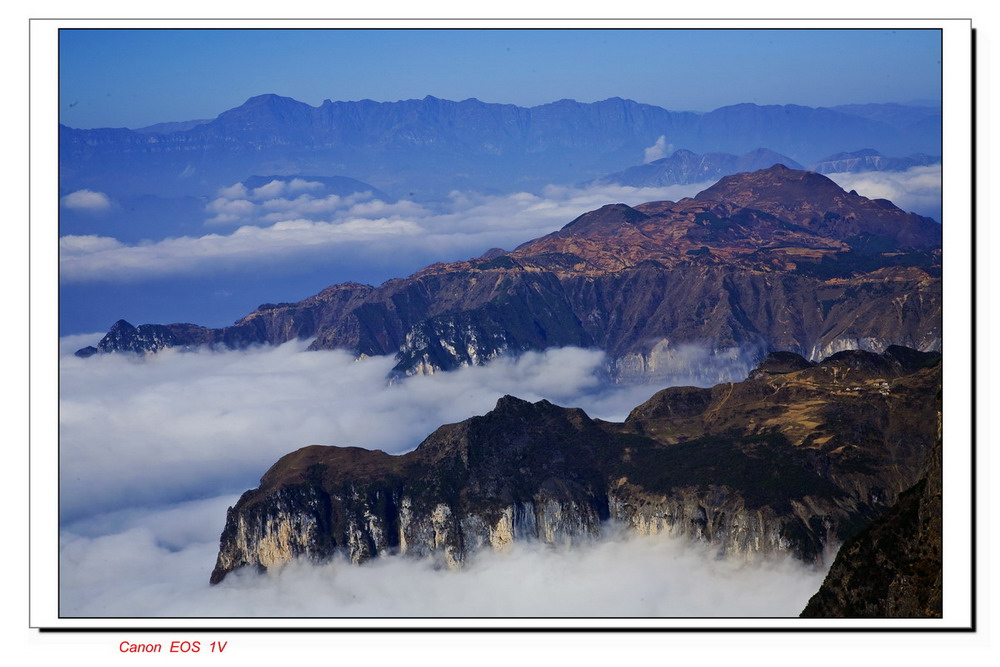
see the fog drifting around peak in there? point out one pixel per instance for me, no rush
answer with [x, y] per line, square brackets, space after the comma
[659, 149]
[154, 449]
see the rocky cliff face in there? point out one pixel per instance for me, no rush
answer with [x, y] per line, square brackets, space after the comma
[776, 259]
[792, 460]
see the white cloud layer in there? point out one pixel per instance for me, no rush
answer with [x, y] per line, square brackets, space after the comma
[294, 226]
[158, 565]
[917, 189]
[87, 200]
[178, 425]
[153, 449]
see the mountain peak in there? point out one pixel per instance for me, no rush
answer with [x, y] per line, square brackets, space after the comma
[269, 105]
[748, 188]
[816, 202]
[269, 99]
[607, 218]
[680, 152]
[507, 403]
[121, 325]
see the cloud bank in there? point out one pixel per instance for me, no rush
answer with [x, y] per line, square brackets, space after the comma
[917, 189]
[153, 450]
[175, 425]
[283, 225]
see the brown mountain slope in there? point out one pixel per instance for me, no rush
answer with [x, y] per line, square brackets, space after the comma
[790, 262]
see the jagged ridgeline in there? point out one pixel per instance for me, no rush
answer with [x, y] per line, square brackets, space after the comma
[432, 146]
[776, 259]
[795, 459]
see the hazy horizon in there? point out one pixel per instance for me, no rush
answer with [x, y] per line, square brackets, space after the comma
[137, 78]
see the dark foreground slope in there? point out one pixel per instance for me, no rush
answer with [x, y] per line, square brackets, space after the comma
[892, 569]
[792, 460]
[775, 259]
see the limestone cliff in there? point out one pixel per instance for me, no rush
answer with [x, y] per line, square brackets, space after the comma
[796, 458]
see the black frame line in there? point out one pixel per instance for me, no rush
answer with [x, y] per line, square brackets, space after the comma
[530, 629]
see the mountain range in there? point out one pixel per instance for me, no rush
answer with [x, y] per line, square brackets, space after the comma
[424, 148]
[777, 259]
[793, 460]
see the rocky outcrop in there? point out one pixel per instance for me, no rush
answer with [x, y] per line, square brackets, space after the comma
[893, 568]
[793, 460]
[776, 259]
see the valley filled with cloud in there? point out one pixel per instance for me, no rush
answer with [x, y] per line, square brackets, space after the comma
[154, 449]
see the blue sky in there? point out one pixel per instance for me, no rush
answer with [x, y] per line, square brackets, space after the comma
[133, 78]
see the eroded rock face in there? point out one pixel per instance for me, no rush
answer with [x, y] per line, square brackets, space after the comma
[771, 260]
[794, 459]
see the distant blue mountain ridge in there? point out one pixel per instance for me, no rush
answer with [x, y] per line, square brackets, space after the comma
[869, 159]
[422, 149]
[684, 167]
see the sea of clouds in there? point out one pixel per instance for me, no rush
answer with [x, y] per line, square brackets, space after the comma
[154, 449]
